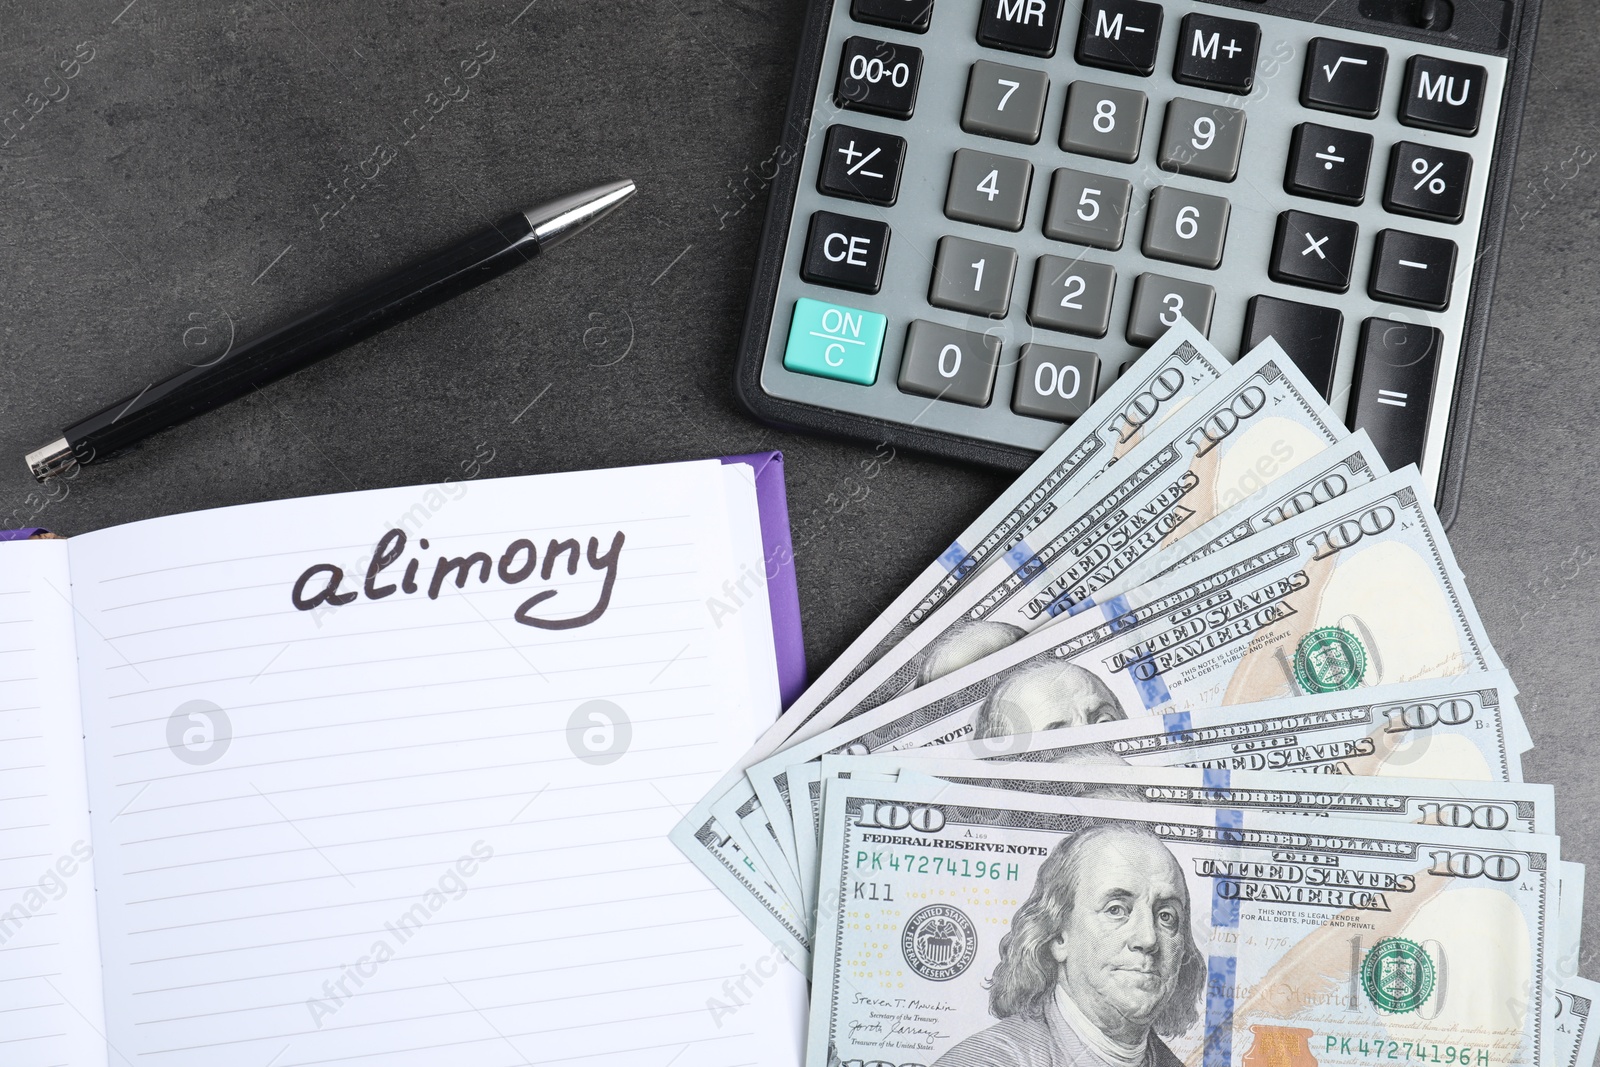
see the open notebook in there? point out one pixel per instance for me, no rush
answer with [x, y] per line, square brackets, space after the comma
[386, 777]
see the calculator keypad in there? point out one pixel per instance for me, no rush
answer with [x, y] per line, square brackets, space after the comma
[1079, 176]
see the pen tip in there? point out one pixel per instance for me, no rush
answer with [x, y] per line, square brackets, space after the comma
[560, 219]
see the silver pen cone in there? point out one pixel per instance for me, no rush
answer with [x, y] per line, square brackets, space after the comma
[558, 220]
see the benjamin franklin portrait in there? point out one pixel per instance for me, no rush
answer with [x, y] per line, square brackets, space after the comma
[1046, 695]
[1099, 965]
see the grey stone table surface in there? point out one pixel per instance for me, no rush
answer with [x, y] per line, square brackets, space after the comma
[212, 168]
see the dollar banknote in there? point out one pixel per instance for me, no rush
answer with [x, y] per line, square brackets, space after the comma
[1361, 592]
[1520, 807]
[1572, 1039]
[1464, 728]
[962, 926]
[987, 615]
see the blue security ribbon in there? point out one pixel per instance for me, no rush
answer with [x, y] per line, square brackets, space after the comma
[1221, 971]
[1149, 684]
[952, 556]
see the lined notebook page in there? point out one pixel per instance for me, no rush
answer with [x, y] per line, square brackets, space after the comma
[50, 1004]
[400, 830]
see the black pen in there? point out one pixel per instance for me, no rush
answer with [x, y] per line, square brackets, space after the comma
[374, 307]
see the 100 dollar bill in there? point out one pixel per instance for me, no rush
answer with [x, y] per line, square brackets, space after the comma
[1466, 728]
[965, 927]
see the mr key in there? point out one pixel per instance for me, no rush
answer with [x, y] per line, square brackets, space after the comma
[1014, 198]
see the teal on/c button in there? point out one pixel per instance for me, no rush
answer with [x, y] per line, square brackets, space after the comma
[833, 341]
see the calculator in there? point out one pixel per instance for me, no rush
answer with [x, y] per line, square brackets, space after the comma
[984, 212]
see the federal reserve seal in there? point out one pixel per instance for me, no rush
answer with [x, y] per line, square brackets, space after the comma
[1397, 975]
[1329, 659]
[939, 942]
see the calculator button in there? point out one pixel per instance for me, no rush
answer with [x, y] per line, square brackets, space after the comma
[1021, 25]
[1329, 163]
[1444, 96]
[1121, 35]
[845, 252]
[1158, 304]
[1005, 102]
[878, 77]
[1072, 295]
[1344, 77]
[1393, 387]
[949, 364]
[862, 165]
[1217, 53]
[912, 15]
[1314, 251]
[1428, 182]
[1055, 383]
[1104, 122]
[1308, 333]
[988, 189]
[1088, 209]
[1205, 140]
[1186, 227]
[972, 276]
[834, 341]
[1409, 268]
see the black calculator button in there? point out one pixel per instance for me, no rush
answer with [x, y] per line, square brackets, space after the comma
[1428, 182]
[949, 364]
[845, 252]
[878, 77]
[1413, 269]
[862, 165]
[973, 277]
[1314, 251]
[1121, 35]
[1217, 53]
[1344, 77]
[1444, 96]
[1393, 387]
[1158, 304]
[1027, 26]
[1329, 163]
[1006, 102]
[912, 15]
[1055, 383]
[1308, 333]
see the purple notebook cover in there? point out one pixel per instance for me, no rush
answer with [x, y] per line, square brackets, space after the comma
[772, 503]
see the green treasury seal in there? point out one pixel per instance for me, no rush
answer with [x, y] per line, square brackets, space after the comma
[1329, 659]
[1397, 975]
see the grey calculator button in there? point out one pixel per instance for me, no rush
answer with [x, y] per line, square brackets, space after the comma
[1088, 209]
[973, 276]
[1103, 121]
[1205, 140]
[1159, 302]
[1186, 227]
[1005, 102]
[1055, 383]
[1072, 295]
[949, 364]
[988, 189]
